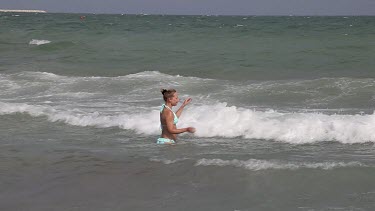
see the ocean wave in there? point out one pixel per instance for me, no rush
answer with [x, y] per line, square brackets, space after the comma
[38, 42]
[318, 93]
[295, 128]
[220, 120]
[310, 88]
[151, 75]
[256, 165]
[142, 123]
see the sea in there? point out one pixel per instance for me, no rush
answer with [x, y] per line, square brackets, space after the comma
[283, 108]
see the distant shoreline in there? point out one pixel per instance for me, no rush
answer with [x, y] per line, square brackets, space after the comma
[38, 11]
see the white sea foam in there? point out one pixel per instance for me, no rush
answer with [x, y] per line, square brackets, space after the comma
[39, 42]
[142, 123]
[167, 161]
[256, 165]
[220, 120]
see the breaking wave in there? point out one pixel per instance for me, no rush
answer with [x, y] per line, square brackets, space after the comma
[223, 121]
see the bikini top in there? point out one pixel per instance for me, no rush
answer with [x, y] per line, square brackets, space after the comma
[175, 120]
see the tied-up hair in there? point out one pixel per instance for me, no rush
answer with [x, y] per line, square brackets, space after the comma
[167, 93]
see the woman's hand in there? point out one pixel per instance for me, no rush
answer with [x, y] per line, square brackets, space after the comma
[190, 130]
[187, 101]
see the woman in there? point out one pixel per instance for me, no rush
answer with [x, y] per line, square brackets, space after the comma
[169, 119]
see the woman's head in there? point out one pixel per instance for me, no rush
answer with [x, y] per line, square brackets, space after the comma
[170, 95]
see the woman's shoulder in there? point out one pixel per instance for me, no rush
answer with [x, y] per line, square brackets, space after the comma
[166, 113]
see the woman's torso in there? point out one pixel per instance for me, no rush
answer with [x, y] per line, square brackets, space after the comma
[163, 120]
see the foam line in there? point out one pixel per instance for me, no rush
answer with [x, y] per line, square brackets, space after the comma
[257, 165]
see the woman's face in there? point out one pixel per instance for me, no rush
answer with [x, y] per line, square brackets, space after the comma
[174, 100]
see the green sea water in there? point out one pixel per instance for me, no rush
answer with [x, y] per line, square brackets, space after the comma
[283, 107]
[219, 47]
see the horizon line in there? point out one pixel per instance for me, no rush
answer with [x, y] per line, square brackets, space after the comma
[175, 14]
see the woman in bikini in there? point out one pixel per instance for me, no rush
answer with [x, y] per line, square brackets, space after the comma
[169, 119]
